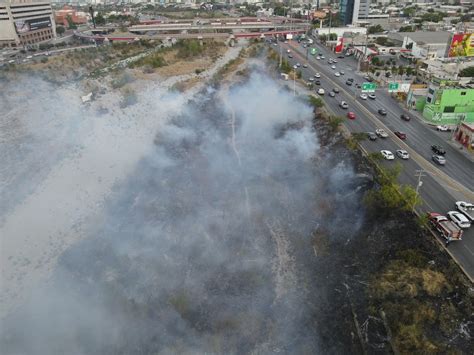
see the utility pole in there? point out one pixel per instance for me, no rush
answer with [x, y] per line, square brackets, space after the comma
[281, 56]
[419, 174]
[294, 82]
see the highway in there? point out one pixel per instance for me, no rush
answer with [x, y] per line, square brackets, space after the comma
[442, 186]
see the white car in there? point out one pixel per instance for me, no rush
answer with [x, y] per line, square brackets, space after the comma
[334, 60]
[381, 133]
[333, 67]
[311, 79]
[458, 218]
[295, 66]
[442, 128]
[298, 65]
[317, 75]
[387, 154]
[318, 57]
[321, 91]
[363, 96]
[322, 57]
[288, 51]
[372, 96]
[343, 104]
[337, 74]
[342, 72]
[466, 208]
[403, 154]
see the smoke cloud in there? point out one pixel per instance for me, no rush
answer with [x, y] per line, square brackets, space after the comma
[205, 245]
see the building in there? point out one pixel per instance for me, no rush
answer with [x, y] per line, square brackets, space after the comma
[77, 17]
[444, 71]
[350, 11]
[449, 106]
[26, 22]
[423, 44]
[464, 134]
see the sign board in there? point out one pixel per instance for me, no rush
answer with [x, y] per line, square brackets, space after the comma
[404, 87]
[23, 26]
[369, 87]
[393, 87]
[462, 45]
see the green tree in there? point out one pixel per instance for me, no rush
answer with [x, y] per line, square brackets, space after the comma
[299, 74]
[467, 72]
[60, 30]
[375, 29]
[401, 70]
[406, 29]
[70, 22]
[409, 71]
[99, 19]
[332, 36]
[323, 38]
[316, 102]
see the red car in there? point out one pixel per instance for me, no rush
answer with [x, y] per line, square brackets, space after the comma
[400, 135]
[351, 115]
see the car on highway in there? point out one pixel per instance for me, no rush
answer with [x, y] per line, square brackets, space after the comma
[288, 51]
[337, 74]
[321, 91]
[348, 82]
[372, 136]
[332, 94]
[318, 82]
[333, 67]
[466, 208]
[387, 154]
[343, 104]
[317, 75]
[403, 154]
[405, 117]
[459, 218]
[443, 128]
[295, 66]
[336, 90]
[311, 79]
[400, 135]
[305, 65]
[368, 78]
[351, 115]
[363, 96]
[334, 60]
[340, 56]
[372, 96]
[290, 56]
[298, 65]
[381, 133]
[439, 150]
[318, 57]
[350, 79]
[358, 86]
[439, 159]
[341, 72]
[322, 57]
[329, 61]
[382, 112]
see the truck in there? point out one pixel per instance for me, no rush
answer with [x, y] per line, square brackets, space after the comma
[466, 209]
[447, 229]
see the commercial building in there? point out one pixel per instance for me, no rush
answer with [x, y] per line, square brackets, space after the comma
[66, 14]
[350, 11]
[423, 44]
[26, 22]
[449, 105]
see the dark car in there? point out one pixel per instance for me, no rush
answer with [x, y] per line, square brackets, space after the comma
[348, 82]
[351, 80]
[336, 90]
[405, 117]
[358, 86]
[318, 82]
[290, 56]
[340, 56]
[400, 135]
[382, 112]
[372, 136]
[439, 150]
[439, 159]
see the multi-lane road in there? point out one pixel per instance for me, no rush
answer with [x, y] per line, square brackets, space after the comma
[442, 186]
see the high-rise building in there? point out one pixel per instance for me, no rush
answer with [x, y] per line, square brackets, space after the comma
[26, 22]
[350, 11]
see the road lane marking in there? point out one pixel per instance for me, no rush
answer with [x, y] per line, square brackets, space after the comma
[422, 162]
[470, 251]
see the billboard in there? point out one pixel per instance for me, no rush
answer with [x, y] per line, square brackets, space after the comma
[339, 45]
[462, 45]
[23, 26]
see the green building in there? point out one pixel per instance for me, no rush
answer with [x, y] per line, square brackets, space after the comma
[448, 106]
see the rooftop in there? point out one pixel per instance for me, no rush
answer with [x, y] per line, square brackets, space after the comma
[423, 37]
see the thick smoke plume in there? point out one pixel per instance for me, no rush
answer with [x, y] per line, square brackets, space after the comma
[204, 247]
